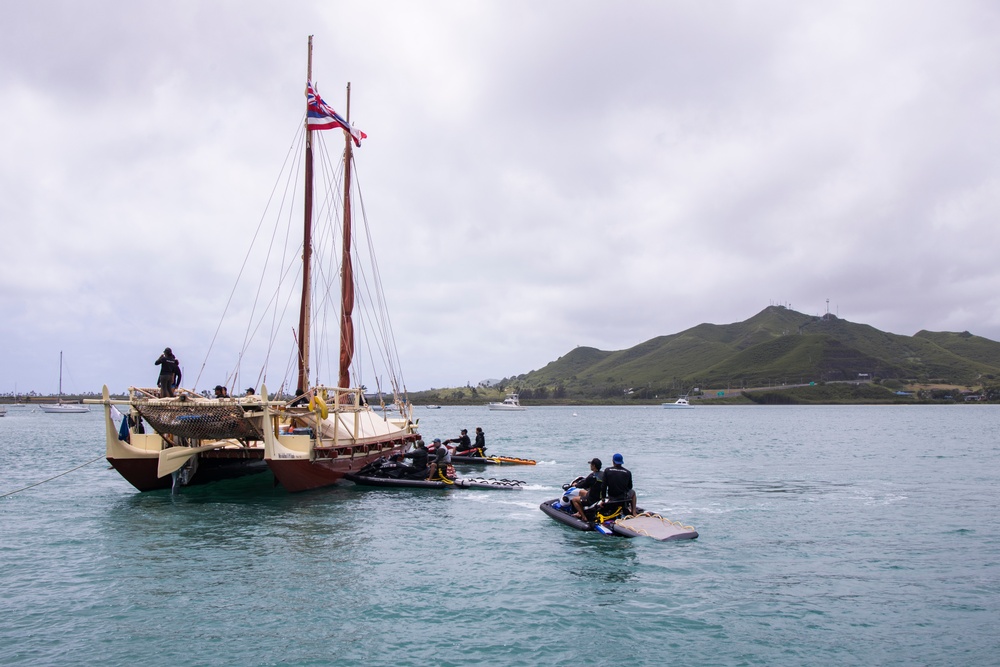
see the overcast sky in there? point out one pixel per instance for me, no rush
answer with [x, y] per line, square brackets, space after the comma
[543, 174]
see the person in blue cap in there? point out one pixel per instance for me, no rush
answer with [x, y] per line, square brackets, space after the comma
[618, 484]
[442, 457]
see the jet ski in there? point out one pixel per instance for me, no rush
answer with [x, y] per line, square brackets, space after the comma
[614, 519]
[389, 473]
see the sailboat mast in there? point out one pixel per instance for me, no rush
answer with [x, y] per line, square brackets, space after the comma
[305, 305]
[60, 377]
[347, 269]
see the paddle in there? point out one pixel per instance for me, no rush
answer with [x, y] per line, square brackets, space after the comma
[174, 458]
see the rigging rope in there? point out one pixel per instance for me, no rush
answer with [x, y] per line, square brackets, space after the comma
[53, 477]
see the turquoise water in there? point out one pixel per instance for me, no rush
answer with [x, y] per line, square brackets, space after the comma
[829, 536]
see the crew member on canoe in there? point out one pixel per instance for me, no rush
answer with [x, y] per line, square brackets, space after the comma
[618, 484]
[590, 490]
[464, 446]
[170, 373]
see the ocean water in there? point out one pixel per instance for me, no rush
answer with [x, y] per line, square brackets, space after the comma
[828, 536]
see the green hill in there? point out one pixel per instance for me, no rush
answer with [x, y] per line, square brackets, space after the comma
[777, 346]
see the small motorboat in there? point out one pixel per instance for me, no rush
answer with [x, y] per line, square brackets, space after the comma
[681, 402]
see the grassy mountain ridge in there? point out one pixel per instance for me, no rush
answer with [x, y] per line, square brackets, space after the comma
[775, 345]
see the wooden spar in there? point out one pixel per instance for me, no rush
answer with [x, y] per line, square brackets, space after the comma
[347, 270]
[305, 305]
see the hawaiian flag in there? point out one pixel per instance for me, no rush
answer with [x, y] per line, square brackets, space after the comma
[321, 116]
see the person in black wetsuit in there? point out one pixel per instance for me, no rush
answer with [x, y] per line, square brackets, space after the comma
[591, 490]
[464, 444]
[480, 441]
[618, 484]
[419, 455]
[170, 373]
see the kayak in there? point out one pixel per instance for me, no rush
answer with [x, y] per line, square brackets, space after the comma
[492, 460]
[642, 524]
[470, 483]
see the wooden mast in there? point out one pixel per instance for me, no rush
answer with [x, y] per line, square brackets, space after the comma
[347, 270]
[305, 305]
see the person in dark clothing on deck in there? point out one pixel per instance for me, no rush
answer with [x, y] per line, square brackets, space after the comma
[618, 484]
[170, 373]
[591, 490]
[480, 441]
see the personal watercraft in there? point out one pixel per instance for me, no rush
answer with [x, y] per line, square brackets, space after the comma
[386, 472]
[614, 519]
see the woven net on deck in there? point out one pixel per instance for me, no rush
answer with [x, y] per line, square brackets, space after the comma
[202, 421]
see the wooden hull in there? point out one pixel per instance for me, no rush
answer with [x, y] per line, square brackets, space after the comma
[213, 466]
[304, 475]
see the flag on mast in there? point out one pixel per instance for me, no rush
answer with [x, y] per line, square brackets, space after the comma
[321, 116]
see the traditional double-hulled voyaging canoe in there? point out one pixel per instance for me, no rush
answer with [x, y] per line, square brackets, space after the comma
[322, 431]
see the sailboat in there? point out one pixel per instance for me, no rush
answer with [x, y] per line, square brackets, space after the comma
[60, 407]
[309, 440]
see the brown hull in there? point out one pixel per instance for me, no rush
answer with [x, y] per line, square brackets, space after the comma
[212, 467]
[301, 475]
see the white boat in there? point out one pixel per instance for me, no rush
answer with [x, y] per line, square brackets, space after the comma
[326, 429]
[510, 403]
[433, 407]
[679, 403]
[59, 407]
[3, 410]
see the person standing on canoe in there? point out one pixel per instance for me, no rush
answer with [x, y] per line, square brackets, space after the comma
[618, 484]
[170, 373]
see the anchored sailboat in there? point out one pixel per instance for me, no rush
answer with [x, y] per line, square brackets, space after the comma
[308, 441]
[59, 407]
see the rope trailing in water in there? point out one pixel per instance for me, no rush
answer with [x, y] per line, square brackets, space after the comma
[82, 465]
